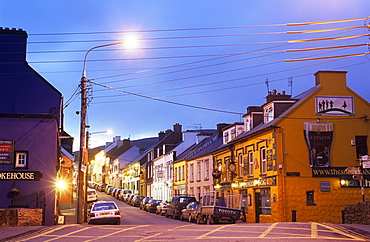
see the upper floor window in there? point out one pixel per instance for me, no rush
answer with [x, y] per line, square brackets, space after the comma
[206, 169]
[198, 171]
[250, 161]
[269, 113]
[241, 164]
[191, 170]
[21, 159]
[226, 137]
[263, 160]
[183, 172]
[175, 174]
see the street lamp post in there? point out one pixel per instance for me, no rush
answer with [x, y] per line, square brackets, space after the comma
[83, 152]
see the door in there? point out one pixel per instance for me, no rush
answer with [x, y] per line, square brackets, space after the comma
[258, 206]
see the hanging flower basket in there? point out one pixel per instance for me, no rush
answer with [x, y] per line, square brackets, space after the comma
[15, 192]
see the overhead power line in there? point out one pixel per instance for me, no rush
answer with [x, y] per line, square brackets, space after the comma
[165, 101]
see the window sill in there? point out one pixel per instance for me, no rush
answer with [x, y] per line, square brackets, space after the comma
[310, 204]
[198, 180]
[191, 181]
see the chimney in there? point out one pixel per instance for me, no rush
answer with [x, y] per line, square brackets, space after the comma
[177, 128]
[126, 144]
[116, 138]
[332, 80]
[219, 129]
[161, 135]
[274, 95]
[13, 45]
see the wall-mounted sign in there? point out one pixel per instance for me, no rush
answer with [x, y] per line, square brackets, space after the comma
[334, 105]
[319, 137]
[338, 171]
[20, 175]
[6, 152]
[256, 182]
[293, 174]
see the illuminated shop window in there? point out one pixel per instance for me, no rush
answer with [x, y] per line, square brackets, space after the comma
[21, 159]
[265, 201]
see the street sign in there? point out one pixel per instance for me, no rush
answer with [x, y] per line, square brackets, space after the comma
[366, 164]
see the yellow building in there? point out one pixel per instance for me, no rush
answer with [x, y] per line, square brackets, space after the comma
[299, 159]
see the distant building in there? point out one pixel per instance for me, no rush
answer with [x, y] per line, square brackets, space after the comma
[30, 123]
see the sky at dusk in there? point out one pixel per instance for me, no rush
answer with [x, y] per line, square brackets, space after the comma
[197, 63]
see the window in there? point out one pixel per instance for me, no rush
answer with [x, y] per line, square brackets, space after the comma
[183, 172]
[263, 160]
[206, 169]
[192, 173]
[361, 146]
[310, 198]
[21, 159]
[175, 178]
[250, 160]
[241, 165]
[226, 137]
[265, 201]
[198, 171]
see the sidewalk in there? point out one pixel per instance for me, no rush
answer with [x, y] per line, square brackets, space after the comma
[7, 233]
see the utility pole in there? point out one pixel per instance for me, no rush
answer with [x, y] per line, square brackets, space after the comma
[81, 161]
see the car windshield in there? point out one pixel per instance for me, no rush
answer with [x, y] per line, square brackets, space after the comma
[91, 192]
[156, 201]
[104, 206]
[186, 199]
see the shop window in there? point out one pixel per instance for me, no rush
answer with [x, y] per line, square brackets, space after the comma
[265, 201]
[310, 198]
[21, 159]
[263, 161]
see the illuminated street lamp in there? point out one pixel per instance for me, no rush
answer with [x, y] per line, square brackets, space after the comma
[83, 152]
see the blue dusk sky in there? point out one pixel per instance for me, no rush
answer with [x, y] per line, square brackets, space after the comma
[197, 63]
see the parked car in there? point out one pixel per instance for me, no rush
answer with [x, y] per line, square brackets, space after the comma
[104, 212]
[144, 202]
[190, 212]
[92, 195]
[135, 201]
[177, 204]
[151, 206]
[161, 208]
[102, 187]
[109, 190]
[129, 197]
[122, 194]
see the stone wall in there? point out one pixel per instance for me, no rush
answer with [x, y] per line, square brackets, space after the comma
[357, 214]
[18, 217]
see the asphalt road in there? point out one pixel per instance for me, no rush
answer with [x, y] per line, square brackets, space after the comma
[137, 225]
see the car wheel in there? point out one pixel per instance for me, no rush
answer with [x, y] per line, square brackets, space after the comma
[189, 218]
[199, 219]
[174, 216]
[181, 217]
[166, 215]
